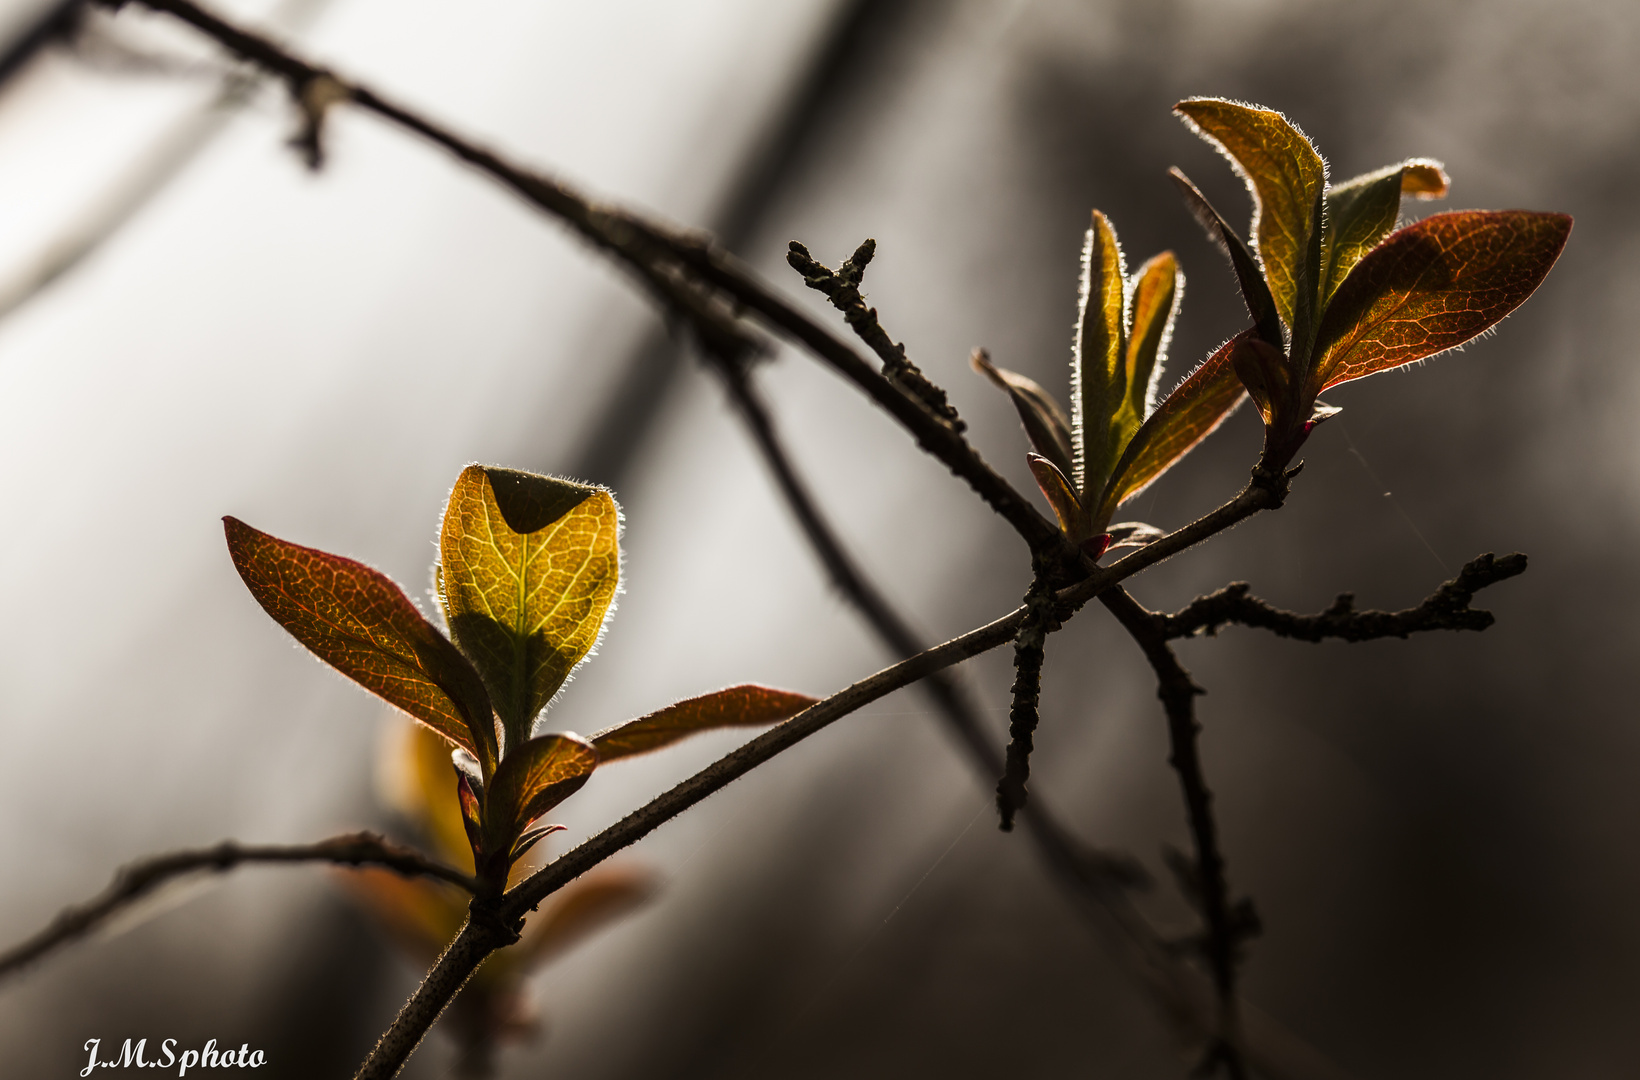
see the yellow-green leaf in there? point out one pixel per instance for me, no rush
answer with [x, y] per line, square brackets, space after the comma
[356, 620]
[1098, 374]
[1286, 178]
[1364, 210]
[529, 566]
[1158, 289]
[1045, 422]
[1185, 417]
[747, 705]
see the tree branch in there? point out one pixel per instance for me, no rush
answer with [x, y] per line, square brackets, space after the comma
[1447, 608]
[454, 968]
[135, 880]
[1209, 890]
[672, 265]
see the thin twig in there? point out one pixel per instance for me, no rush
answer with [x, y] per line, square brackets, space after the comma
[137, 879]
[672, 265]
[1447, 608]
[1211, 891]
[842, 288]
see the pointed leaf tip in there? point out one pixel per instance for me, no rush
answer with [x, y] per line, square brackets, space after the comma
[747, 705]
[1285, 177]
[1046, 425]
[358, 621]
[528, 567]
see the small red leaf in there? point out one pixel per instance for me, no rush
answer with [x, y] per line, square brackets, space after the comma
[356, 620]
[533, 778]
[747, 705]
[1057, 490]
[1433, 286]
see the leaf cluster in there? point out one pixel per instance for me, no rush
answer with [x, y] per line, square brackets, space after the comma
[528, 568]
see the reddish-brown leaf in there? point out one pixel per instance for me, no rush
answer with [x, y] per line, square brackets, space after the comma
[1433, 286]
[356, 620]
[533, 778]
[1185, 417]
[1057, 490]
[748, 705]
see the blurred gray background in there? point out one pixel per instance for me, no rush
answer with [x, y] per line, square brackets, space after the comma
[1440, 833]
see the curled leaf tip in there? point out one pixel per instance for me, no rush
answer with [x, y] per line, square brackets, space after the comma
[1424, 178]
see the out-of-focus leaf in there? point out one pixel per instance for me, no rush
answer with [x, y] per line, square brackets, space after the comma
[1098, 371]
[1057, 490]
[1158, 289]
[1432, 286]
[1364, 210]
[1185, 417]
[1286, 177]
[533, 778]
[592, 902]
[359, 622]
[423, 916]
[748, 705]
[529, 567]
[1045, 422]
[1255, 292]
[417, 780]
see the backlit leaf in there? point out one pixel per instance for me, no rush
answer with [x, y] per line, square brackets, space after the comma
[359, 622]
[1255, 291]
[1364, 210]
[1286, 178]
[1098, 371]
[1185, 417]
[747, 705]
[1158, 289]
[533, 778]
[1433, 286]
[529, 567]
[1057, 490]
[581, 909]
[1045, 422]
[422, 915]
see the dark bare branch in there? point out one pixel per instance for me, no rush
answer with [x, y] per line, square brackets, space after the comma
[1447, 608]
[136, 880]
[842, 288]
[686, 272]
[1227, 925]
